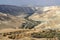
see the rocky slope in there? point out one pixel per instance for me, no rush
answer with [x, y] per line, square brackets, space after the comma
[10, 21]
[49, 18]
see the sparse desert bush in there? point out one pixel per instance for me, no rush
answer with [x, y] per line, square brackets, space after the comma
[4, 34]
[11, 36]
[44, 34]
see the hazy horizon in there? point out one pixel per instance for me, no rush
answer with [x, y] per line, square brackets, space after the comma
[30, 2]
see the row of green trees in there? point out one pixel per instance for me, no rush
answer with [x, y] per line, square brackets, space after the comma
[30, 24]
[47, 34]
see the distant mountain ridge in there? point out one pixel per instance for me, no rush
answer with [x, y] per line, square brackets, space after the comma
[16, 10]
